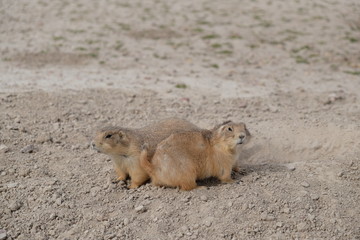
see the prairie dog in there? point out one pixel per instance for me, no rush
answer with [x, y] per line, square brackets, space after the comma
[184, 157]
[124, 145]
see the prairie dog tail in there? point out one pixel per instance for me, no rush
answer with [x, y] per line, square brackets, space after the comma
[144, 161]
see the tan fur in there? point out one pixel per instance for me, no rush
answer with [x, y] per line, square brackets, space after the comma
[184, 157]
[124, 145]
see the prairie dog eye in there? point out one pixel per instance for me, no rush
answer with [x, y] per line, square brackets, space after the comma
[230, 129]
[108, 136]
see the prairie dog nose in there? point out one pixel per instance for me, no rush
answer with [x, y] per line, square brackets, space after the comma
[242, 136]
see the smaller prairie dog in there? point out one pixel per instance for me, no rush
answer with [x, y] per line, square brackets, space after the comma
[182, 158]
[124, 145]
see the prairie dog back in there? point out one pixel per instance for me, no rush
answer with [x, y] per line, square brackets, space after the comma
[124, 145]
[184, 157]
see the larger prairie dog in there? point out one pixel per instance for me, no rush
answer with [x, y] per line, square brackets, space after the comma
[184, 157]
[124, 145]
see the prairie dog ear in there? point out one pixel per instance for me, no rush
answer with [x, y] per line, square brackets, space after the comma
[120, 136]
[247, 131]
[222, 128]
[225, 128]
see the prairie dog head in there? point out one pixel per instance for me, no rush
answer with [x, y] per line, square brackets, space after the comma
[233, 134]
[112, 141]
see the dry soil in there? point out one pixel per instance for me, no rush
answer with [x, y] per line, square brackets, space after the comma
[289, 69]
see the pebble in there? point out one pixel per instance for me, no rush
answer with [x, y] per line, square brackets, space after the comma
[43, 138]
[203, 198]
[311, 217]
[12, 128]
[126, 221]
[56, 126]
[315, 145]
[3, 234]
[305, 184]
[58, 201]
[266, 217]
[286, 210]
[4, 148]
[186, 199]
[52, 216]
[12, 185]
[24, 172]
[15, 205]
[94, 191]
[279, 224]
[208, 221]
[301, 226]
[140, 209]
[101, 217]
[291, 167]
[28, 149]
[314, 196]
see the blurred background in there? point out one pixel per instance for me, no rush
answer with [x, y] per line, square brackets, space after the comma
[225, 48]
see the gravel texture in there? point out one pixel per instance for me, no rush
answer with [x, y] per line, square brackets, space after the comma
[289, 69]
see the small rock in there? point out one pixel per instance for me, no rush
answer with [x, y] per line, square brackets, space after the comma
[291, 167]
[186, 199]
[43, 138]
[12, 128]
[242, 105]
[56, 126]
[3, 234]
[75, 147]
[101, 217]
[340, 174]
[333, 97]
[314, 196]
[286, 210]
[203, 198]
[58, 201]
[15, 205]
[4, 148]
[305, 184]
[140, 209]
[28, 149]
[94, 191]
[301, 226]
[12, 185]
[24, 172]
[208, 221]
[52, 216]
[266, 217]
[279, 224]
[273, 109]
[315, 145]
[126, 221]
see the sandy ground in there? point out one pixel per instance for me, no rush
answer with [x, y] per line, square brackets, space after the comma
[289, 69]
